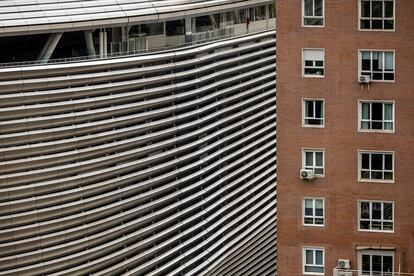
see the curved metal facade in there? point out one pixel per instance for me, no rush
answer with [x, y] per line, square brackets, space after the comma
[161, 163]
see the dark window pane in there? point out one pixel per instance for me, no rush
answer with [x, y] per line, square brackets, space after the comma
[365, 9]
[319, 221]
[387, 226]
[318, 63]
[376, 24]
[366, 262]
[319, 212]
[308, 220]
[365, 161]
[377, 175]
[376, 8]
[388, 211]
[376, 262]
[366, 64]
[318, 171]
[318, 7]
[365, 175]
[365, 24]
[308, 211]
[388, 24]
[313, 269]
[376, 225]
[376, 210]
[309, 109]
[377, 76]
[313, 21]
[308, 62]
[388, 76]
[365, 210]
[318, 109]
[308, 8]
[376, 161]
[388, 161]
[389, 9]
[364, 224]
[377, 111]
[388, 175]
[387, 263]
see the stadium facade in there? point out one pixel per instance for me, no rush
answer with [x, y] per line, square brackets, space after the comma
[137, 137]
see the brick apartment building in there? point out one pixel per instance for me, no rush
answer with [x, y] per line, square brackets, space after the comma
[345, 120]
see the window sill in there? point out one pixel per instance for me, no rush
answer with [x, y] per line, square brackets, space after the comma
[314, 225]
[313, 126]
[376, 231]
[376, 131]
[313, 76]
[376, 181]
[377, 30]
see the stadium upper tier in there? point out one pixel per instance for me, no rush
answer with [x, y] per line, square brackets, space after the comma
[19, 17]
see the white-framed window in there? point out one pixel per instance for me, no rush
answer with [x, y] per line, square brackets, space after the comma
[313, 211]
[313, 259]
[376, 116]
[314, 159]
[313, 113]
[376, 216]
[378, 65]
[313, 13]
[376, 166]
[313, 62]
[375, 263]
[376, 14]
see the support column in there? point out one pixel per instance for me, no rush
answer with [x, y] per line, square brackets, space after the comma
[89, 43]
[188, 29]
[103, 47]
[49, 47]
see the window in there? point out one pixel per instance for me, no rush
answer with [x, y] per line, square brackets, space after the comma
[313, 62]
[375, 263]
[272, 11]
[376, 14]
[376, 166]
[379, 65]
[376, 116]
[376, 216]
[313, 160]
[260, 13]
[313, 260]
[313, 113]
[313, 12]
[313, 211]
[176, 27]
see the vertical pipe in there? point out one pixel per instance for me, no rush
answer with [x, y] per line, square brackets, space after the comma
[101, 44]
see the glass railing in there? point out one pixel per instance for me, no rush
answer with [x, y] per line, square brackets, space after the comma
[350, 272]
[195, 39]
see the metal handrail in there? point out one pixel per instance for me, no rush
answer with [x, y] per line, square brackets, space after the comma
[132, 53]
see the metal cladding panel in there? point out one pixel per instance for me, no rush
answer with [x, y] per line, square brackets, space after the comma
[32, 16]
[156, 164]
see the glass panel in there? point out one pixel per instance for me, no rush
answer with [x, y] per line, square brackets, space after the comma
[376, 263]
[388, 9]
[318, 7]
[308, 7]
[365, 161]
[365, 210]
[376, 210]
[389, 76]
[365, 24]
[308, 62]
[388, 24]
[319, 221]
[318, 171]
[365, 9]
[366, 263]
[319, 257]
[377, 9]
[376, 111]
[376, 161]
[388, 111]
[364, 224]
[175, 27]
[308, 220]
[316, 269]
[319, 63]
[309, 109]
[388, 161]
[309, 256]
[388, 211]
[387, 226]
[309, 158]
[388, 175]
[365, 110]
[313, 21]
[376, 24]
[389, 61]
[242, 16]
[366, 61]
[318, 109]
[387, 263]
[319, 159]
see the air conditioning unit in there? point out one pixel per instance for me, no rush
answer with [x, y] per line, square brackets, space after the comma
[344, 264]
[307, 174]
[364, 79]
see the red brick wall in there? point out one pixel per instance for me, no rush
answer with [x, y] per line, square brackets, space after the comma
[340, 137]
